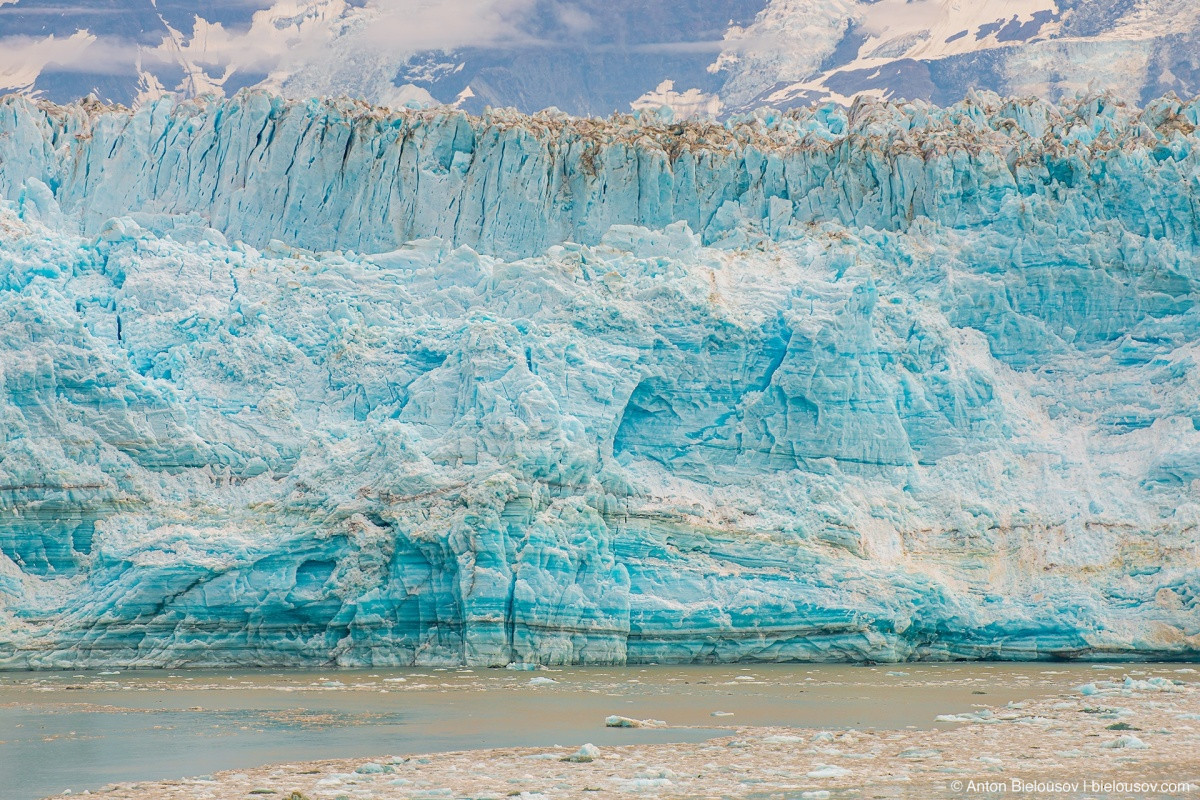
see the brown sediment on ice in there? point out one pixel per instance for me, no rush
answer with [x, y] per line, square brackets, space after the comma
[1117, 733]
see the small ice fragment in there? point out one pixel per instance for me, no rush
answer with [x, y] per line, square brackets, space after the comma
[918, 753]
[829, 771]
[541, 681]
[896, 674]
[818, 794]
[371, 768]
[783, 738]
[615, 721]
[989, 760]
[971, 716]
[522, 667]
[721, 714]
[589, 752]
[822, 736]
[745, 678]
[645, 784]
[1126, 742]
[1088, 689]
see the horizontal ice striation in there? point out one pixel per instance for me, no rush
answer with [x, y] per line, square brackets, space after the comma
[972, 431]
[336, 175]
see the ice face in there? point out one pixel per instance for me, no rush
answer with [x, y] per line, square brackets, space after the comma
[930, 395]
[329, 175]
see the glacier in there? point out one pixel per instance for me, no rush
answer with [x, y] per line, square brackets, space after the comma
[314, 382]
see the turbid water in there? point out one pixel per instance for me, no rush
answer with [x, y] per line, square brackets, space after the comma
[81, 730]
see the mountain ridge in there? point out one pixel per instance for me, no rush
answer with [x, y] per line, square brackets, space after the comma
[592, 58]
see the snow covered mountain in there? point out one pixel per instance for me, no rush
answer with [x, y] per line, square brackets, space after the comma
[593, 57]
[313, 382]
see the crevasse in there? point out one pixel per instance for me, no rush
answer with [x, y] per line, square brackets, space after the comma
[881, 383]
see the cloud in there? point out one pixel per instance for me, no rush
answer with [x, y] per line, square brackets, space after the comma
[328, 37]
[23, 58]
[700, 46]
[448, 24]
[291, 33]
[318, 46]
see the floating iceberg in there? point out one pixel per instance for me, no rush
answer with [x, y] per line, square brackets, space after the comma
[300, 383]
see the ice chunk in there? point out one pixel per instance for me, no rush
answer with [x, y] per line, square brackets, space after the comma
[373, 768]
[586, 753]
[676, 240]
[644, 784]
[1126, 742]
[919, 753]
[616, 721]
[983, 716]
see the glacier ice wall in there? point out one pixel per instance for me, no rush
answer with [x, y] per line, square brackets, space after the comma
[336, 175]
[889, 383]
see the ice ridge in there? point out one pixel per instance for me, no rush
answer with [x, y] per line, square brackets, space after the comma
[328, 175]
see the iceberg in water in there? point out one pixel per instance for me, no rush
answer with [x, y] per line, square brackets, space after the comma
[290, 383]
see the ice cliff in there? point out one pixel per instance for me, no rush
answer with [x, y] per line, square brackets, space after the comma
[297, 383]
